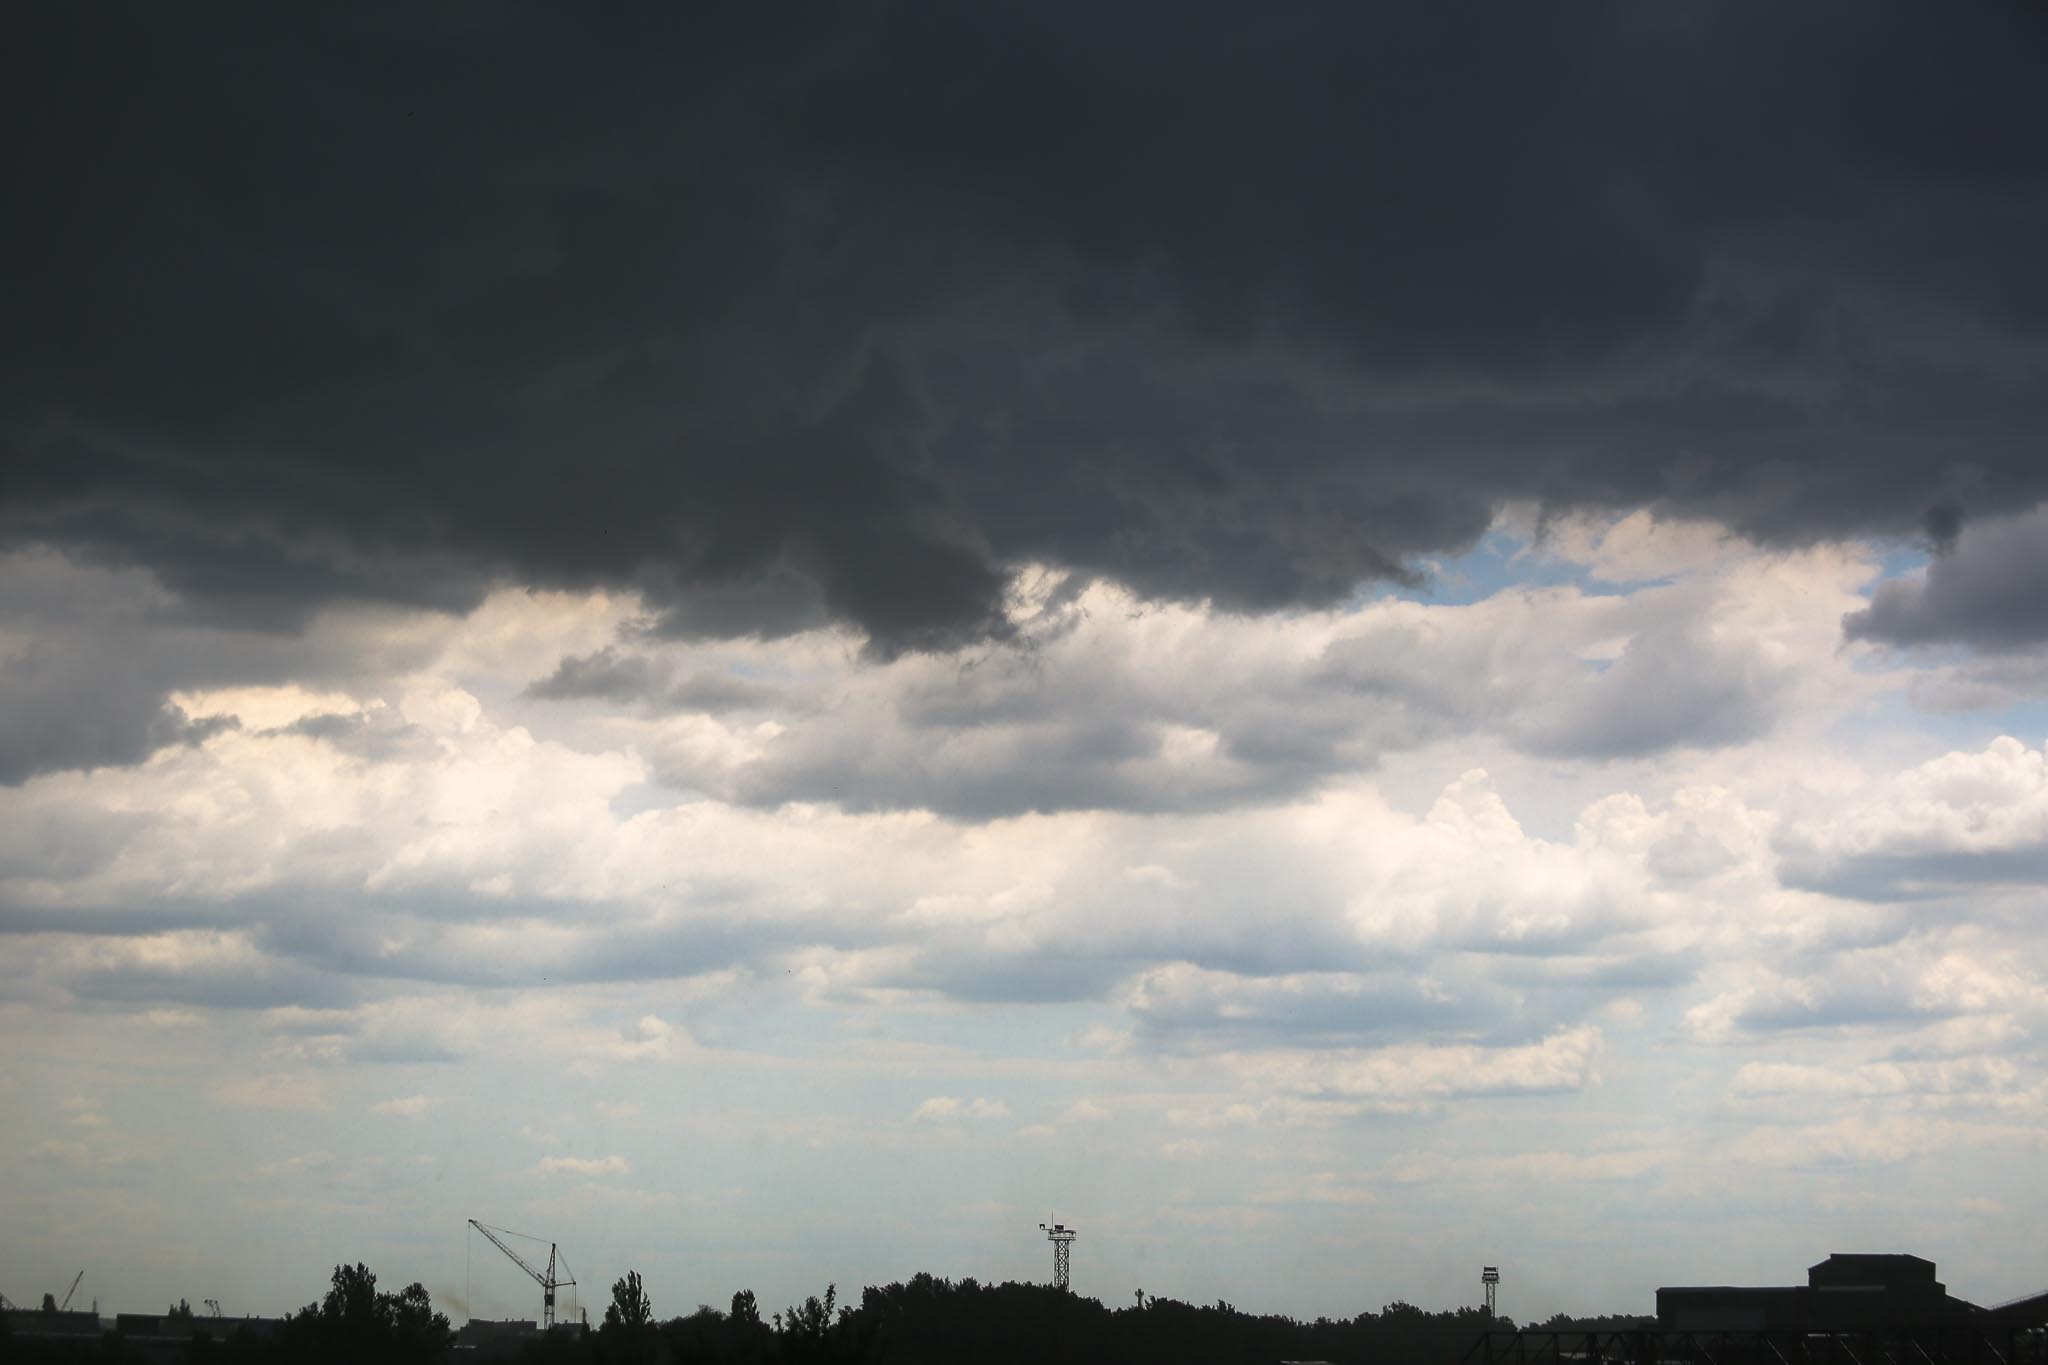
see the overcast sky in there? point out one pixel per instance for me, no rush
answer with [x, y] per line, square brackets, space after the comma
[1332, 642]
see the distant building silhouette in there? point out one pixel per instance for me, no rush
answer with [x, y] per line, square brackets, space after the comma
[1845, 1293]
[50, 1322]
[481, 1339]
[146, 1338]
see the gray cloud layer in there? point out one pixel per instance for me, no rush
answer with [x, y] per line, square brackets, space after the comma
[1985, 591]
[1107, 702]
[791, 320]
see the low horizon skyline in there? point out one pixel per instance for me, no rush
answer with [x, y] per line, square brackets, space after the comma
[572, 1308]
[569, 1304]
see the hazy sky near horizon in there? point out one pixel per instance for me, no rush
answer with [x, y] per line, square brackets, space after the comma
[1332, 644]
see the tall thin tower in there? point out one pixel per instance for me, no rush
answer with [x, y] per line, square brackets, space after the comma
[1489, 1275]
[1060, 1235]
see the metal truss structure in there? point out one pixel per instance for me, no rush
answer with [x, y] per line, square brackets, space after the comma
[549, 1281]
[1060, 1235]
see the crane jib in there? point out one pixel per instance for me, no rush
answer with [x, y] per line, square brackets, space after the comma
[548, 1282]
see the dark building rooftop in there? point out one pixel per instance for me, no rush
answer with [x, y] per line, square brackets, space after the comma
[1868, 1268]
[34, 1322]
[1848, 1292]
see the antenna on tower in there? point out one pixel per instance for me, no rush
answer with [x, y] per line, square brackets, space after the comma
[1489, 1275]
[1060, 1235]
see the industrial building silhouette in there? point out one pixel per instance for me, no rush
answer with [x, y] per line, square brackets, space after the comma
[1854, 1309]
[1848, 1292]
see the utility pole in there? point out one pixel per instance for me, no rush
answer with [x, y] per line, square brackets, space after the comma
[1060, 1235]
[1489, 1276]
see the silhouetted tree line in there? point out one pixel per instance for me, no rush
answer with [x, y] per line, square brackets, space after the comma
[927, 1321]
[353, 1323]
[931, 1321]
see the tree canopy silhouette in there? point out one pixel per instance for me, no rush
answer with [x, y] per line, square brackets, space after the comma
[630, 1309]
[923, 1321]
[354, 1322]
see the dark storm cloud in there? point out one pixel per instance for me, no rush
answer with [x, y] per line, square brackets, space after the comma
[787, 318]
[57, 719]
[1985, 591]
[89, 660]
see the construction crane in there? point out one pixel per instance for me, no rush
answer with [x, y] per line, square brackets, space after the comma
[549, 1282]
[65, 1306]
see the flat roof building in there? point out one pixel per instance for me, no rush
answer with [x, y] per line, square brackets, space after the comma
[1848, 1292]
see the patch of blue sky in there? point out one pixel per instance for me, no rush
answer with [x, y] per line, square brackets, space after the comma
[1501, 560]
[1896, 715]
[1966, 730]
[1900, 560]
[1505, 558]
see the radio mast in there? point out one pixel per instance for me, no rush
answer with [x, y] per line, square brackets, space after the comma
[1060, 1235]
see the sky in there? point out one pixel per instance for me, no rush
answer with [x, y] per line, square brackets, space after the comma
[1333, 643]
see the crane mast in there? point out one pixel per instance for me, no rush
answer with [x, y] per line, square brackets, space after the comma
[548, 1282]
